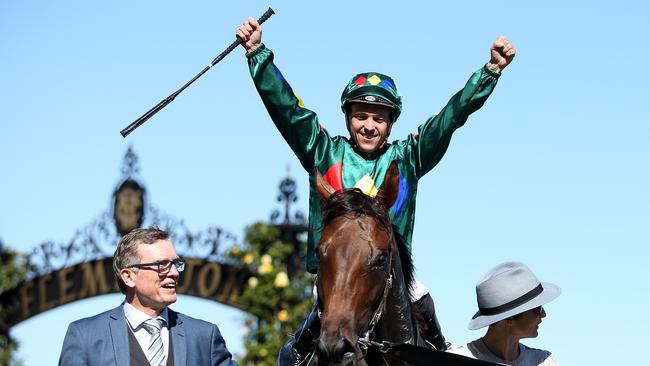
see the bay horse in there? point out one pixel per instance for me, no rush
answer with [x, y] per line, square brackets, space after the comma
[364, 274]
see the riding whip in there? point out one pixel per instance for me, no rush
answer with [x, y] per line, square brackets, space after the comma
[135, 124]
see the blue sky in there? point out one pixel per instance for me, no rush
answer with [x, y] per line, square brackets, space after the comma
[552, 171]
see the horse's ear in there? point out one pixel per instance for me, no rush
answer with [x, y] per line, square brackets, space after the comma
[390, 187]
[325, 190]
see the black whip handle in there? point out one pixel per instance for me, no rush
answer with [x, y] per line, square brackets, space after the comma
[135, 124]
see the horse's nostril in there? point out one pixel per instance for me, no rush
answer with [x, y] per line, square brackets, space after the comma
[335, 350]
[321, 350]
[348, 347]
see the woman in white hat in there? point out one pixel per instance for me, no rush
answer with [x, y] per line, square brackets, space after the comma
[510, 299]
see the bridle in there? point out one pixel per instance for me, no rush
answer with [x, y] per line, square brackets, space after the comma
[367, 340]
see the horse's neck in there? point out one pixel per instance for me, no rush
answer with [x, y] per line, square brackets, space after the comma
[397, 323]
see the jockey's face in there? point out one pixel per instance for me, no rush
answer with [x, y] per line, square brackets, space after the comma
[369, 125]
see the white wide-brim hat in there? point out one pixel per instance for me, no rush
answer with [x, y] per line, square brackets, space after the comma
[509, 289]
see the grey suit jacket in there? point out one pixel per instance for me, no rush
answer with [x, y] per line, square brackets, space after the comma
[102, 340]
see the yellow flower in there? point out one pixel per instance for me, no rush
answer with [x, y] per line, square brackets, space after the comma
[283, 315]
[253, 282]
[248, 258]
[266, 259]
[281, 280]
[266, 268]
[235, 250]
[264, 352]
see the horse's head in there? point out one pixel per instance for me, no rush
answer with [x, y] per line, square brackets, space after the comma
[355, 253]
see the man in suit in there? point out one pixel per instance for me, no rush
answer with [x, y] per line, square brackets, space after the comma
[143, 330]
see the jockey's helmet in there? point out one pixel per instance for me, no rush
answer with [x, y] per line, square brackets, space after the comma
[372, 88]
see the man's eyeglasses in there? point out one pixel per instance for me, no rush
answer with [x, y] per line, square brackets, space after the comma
[163, 267]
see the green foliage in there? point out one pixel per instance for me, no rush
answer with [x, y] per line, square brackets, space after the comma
[12, 271]
[279, 304]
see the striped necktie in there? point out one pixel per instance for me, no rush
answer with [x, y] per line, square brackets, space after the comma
[156, 351]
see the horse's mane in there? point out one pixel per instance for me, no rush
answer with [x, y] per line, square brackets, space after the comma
[354, 202]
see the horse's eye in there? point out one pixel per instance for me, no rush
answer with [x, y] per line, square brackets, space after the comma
[381, 260]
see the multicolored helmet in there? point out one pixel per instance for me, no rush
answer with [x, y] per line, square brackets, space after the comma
[372, 88]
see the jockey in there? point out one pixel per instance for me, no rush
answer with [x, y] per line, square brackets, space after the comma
[371, 104]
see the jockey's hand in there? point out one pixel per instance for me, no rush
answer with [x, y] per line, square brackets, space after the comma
[250, 33]
[501, 54]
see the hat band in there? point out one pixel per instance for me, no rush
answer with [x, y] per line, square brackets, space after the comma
[514, 303]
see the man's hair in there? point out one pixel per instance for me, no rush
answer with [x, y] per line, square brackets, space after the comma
[126, 253]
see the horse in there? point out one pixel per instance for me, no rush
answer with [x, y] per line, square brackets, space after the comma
[364, 276]
[365, 316]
